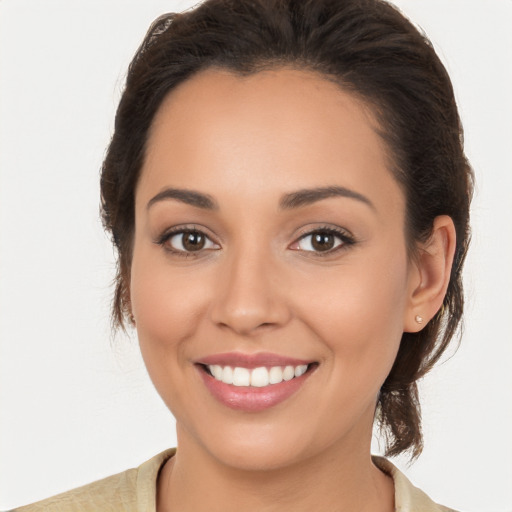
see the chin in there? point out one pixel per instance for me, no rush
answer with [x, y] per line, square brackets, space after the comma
[256, 457]
[249, 446]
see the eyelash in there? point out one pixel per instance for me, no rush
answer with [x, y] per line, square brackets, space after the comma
[181, 230]
[345, 238]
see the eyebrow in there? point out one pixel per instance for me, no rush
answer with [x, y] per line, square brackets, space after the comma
[306, 197]
[191, 197]
[289, 201]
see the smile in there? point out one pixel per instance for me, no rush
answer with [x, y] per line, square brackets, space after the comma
[256, 377]
[253, 382]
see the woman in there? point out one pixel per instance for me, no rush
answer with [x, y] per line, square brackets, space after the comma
[289, 198]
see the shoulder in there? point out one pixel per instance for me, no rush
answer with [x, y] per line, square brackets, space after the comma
[129, 491]
[408, 498]
[116, 492]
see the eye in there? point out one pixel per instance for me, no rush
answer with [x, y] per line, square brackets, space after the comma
[187, 241]
[322, 241]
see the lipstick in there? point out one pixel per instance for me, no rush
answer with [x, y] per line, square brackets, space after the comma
[253, 382]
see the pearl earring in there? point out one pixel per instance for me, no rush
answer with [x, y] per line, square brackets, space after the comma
[419, 319]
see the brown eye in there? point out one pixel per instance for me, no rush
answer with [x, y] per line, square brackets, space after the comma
[193, 241]
[323, 241]
[188, 241]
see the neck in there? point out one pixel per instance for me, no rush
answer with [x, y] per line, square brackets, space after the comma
[342, 479]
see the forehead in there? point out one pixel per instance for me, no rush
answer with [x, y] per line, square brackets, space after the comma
[269, 132]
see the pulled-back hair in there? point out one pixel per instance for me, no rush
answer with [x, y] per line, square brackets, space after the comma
[369, 49]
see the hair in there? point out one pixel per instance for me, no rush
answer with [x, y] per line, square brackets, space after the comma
[370, 49]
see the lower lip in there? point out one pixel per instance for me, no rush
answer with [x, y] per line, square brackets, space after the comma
[252, 399]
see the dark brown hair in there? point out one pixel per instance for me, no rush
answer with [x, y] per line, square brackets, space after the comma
[368, 48]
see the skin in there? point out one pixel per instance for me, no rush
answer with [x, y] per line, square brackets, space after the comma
[258, 286]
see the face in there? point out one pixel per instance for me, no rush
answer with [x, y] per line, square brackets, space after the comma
[270, 280]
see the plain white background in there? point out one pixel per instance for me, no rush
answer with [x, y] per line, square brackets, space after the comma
[76, 406]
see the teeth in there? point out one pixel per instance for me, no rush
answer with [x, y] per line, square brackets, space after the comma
[217, 371]
[275, 375]
[258, 377]
[227, 375]
[289, 373]
[241, 377]
[300, 370]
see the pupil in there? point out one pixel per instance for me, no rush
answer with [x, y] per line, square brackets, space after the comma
[323, 241]
[193, 241]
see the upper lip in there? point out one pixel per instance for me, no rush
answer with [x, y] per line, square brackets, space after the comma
[238, 359]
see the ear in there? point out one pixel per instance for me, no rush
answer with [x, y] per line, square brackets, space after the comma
[430, 274]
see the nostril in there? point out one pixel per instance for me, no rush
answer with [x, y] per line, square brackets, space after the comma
[246, 324]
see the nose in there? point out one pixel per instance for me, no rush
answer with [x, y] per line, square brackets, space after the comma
[250, 294]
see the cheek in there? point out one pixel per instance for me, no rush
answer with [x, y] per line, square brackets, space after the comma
[358, 311]
[167, 305]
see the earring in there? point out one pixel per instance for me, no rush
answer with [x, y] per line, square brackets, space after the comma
[132, 319]
[419, 319]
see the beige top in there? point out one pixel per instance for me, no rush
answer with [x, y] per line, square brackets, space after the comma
[135, 491]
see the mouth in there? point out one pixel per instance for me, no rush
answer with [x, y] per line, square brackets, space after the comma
[253, 383]
[256, 377]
